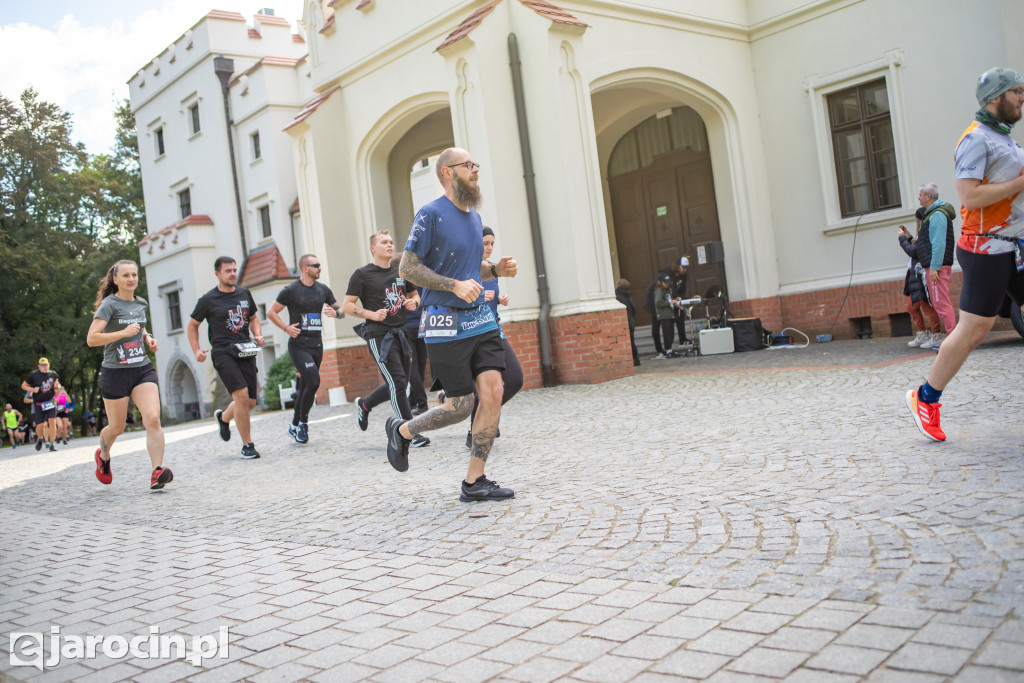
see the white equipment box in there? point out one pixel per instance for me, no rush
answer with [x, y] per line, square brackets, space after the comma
[716, 341]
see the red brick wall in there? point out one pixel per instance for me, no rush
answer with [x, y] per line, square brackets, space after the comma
[352, 368]
[813, 312]
[586, 349]
[591, 348]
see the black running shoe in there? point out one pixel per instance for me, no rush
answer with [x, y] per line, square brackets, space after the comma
[249, 452]
[484, 489]
[419, 441]
[53, 448]
[362, 415]
[293, 430]
[225, 429]
[39, 445]
[398, 445]
[302, 433]
[419, 409]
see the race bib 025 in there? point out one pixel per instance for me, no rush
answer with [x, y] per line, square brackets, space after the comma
[439, 321]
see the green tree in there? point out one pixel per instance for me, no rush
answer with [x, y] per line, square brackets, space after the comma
[65, 217]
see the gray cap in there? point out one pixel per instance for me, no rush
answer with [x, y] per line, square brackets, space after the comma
[994, 83]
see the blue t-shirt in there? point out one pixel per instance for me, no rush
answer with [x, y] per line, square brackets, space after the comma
[450, 242]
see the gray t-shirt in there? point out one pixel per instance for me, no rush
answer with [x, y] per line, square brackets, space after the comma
[127, 352]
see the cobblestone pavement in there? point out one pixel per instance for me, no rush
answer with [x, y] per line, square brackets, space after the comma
[751, 517]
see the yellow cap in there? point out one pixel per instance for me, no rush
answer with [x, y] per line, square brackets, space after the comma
[44, 361]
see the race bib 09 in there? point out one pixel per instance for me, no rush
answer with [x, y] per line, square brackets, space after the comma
[312, 322]
[246, 349]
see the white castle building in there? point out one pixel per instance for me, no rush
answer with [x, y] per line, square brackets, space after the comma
[788, 136]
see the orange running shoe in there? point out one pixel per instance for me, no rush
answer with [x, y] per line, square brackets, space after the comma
[926, 416]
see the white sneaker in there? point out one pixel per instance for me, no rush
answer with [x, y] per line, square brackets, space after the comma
[923, 337]
[660, 356]
[935, 342]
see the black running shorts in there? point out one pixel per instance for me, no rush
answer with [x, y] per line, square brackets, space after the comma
[40, 415]
[988, 278]
[236, 373]
[455, 364]
[118, 383]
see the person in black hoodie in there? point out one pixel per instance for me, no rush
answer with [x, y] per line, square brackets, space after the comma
[625, 297]
[915, 286]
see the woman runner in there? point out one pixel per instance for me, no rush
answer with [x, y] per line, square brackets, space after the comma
[512, 376]
[119, 325]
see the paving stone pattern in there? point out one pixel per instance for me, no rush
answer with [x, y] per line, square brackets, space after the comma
[760, 516]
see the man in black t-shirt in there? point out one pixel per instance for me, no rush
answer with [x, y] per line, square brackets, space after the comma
[307, 301]
[231, 314]
[385, 298]
[43, 385]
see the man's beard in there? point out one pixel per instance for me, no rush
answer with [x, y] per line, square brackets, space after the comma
[1005, 111]
[465, 194]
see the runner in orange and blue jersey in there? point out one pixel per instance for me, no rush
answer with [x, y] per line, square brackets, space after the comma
[990, 182]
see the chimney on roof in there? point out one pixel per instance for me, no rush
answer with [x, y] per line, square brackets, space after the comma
[266, 11]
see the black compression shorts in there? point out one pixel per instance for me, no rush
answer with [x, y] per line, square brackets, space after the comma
[988, 278]
[118, 383]
[236, 373]
[456, 363]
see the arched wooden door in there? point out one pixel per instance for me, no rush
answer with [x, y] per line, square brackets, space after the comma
[663, 203]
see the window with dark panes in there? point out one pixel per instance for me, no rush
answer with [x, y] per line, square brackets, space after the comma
[194, 115]
[159, 142]
[174, 309]
[256, 152]
[265, 220]
[185, 203]
[862, 143]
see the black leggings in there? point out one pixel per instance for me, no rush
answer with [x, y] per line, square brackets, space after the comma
[306, 357]
[511, 377]
[667, 330]
[417, 367]
[394, 368]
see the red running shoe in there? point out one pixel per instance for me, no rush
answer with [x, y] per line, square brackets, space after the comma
[103, 472]
[926, 416]
[161, 476]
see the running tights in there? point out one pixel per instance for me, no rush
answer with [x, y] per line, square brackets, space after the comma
[307, 359]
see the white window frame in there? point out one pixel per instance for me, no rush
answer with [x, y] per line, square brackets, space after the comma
[818, 89]
[164, 291]
[256, 146]
[193, 100]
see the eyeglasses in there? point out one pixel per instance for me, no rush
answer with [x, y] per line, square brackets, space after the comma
[1019, 92]
[471, 165]
[312, 265]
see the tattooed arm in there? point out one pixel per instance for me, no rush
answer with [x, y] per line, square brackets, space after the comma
[413, 270]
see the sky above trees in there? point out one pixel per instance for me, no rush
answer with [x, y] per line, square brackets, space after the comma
[80, 55]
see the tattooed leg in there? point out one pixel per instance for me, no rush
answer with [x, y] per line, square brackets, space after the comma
[482, 442]
[485, 425]
[452, 411]
[117, 411]
[105, 445]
